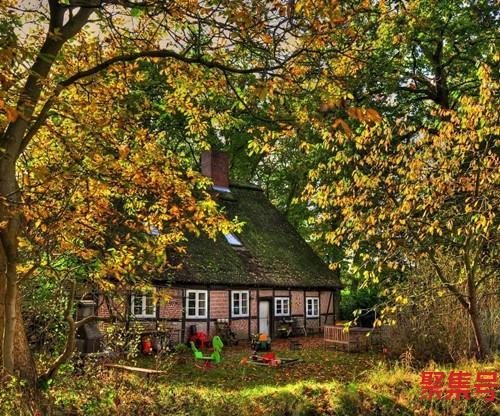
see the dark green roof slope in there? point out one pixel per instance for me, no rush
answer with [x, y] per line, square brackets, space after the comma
[273, 253]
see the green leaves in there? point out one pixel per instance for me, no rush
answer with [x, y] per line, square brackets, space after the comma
[136, 11]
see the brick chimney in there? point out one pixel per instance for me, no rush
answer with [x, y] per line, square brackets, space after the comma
[215, 165]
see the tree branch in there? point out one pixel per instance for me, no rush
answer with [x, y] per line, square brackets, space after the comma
[161, 53]
[446, 283]
[167, 53]
[70, 342]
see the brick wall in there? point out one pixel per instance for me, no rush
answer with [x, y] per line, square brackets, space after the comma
[215, 165]
[265, 293]
[253, 303]
[102, 307]
[240, 326]
[173, 307]
[297, 300]
[219, 304]
[312, 293]
[253, 312]
[117, 302]
[171, 311]
[326, 299]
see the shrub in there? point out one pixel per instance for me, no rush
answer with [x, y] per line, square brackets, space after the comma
[364, 300]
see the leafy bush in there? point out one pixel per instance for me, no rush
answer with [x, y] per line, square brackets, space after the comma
[362, 300]
[13, 398]
[180, 348]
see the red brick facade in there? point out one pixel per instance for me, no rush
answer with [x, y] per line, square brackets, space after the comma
[171, 310]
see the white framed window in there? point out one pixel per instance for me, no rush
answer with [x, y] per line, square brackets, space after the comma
[312, 307]
[281, 306]
[196, 303]
[143, 305]
[239, 303]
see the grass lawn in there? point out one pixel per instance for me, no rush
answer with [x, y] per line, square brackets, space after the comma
[327, 382]
[319, 365]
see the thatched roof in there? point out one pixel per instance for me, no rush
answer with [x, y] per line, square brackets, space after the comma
[273, 253]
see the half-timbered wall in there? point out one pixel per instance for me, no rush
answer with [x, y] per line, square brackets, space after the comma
[171, 312]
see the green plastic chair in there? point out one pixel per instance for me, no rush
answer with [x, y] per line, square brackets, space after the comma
[215, 357]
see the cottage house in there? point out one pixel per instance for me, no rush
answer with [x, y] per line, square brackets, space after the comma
[254, 280]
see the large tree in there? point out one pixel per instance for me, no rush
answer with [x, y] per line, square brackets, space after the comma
[58, 58]
[432, 197]
[413, 62]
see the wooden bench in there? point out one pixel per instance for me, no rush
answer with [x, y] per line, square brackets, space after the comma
[146, 372]
[336, 335]
[354, 338]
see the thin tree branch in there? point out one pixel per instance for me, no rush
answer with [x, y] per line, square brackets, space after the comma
[70, 342]
[161, 53]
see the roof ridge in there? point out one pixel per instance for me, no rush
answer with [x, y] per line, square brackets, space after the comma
[250, 186]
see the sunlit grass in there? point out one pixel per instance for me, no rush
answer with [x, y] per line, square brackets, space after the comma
[326, 383]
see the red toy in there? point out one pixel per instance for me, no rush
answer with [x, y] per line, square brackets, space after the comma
[200, 339]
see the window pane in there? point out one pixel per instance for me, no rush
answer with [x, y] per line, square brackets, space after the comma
[150, 310]
[244, 303]
[191, 297]
[192, 311]
[285, 306]
[191, 302]
[313, 307]
[137, 305]
[236, 310]
[236, 297]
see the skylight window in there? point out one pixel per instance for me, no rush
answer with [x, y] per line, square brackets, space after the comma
[221, 188]
[233, 240]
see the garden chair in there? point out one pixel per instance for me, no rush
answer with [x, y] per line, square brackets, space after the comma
[215, 357]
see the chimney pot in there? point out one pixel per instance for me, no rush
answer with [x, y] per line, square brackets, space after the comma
[215, 165]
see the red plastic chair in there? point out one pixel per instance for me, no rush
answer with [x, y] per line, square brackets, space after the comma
[200, 340]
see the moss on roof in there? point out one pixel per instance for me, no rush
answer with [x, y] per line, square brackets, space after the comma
[273, 253]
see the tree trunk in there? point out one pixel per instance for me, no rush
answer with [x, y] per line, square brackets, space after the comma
[16, 356]
[9, 330]
[483, 347]
[15, 351]
[10, 217]
[24, 364]
[3, 287]
[12, 142]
